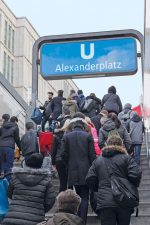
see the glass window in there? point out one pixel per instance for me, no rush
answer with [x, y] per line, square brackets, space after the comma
[9, 37]
[8, 69]
[12, 71]
[5, 36]
[4, 65]
[13, 40]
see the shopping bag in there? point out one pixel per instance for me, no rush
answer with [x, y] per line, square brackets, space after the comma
[37, 116]
[45, 142]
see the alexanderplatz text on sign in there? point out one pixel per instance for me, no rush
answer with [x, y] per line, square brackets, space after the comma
[89, 58]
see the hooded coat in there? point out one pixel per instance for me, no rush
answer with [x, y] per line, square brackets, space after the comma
[124, 116]
[29, 143]
[56, 106]
[9, 135]
[110, 125]
[78, 153]
[136, 128]
[71, 105]
[62, 218]
[112, 103]
[32, 195]
[98, 176]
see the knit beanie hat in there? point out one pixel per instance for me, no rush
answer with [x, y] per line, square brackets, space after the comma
[127, 106]
[34, 161]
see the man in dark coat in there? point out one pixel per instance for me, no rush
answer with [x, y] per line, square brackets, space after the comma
[98, 179]
[29, 143]
[111, 101]
[47, 111]
[31, 192]
[56, 105]
[78, 154]
[9, 136]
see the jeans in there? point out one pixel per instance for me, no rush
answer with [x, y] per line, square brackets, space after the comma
[83, 192]
[44, 120]
[137, 153]
[7, 159]
[115, 216]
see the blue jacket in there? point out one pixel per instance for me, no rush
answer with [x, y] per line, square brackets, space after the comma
[3, 196]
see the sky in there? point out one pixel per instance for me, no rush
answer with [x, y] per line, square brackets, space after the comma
[51, 17]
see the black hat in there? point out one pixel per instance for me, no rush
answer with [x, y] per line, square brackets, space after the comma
[34, 161]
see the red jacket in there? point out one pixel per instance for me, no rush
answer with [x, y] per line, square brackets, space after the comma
[95, 138]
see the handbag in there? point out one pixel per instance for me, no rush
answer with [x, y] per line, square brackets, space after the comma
[36, 116]
[124, 192]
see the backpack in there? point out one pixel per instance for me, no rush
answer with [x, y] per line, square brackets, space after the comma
[45, 142]
[87, 105]
[113, 132]
[126, 116]
[36, 116]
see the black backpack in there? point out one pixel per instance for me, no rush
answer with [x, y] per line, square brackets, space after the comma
[87, 105]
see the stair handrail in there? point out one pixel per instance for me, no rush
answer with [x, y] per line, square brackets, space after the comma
[147, 145]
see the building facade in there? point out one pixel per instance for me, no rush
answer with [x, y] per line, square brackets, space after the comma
[17, 37]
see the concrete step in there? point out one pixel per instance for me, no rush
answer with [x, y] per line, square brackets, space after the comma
[140, 220]
[144, 186]
[144, 181]
[145, 171]
[144, 195]
[144, 162]
[93, 220]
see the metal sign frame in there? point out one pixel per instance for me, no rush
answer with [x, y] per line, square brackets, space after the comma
[86, 74]
[78, 37]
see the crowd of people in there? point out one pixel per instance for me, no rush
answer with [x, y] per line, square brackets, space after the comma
[91, 137]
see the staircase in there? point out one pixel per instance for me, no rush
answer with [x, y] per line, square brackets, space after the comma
[144, 192]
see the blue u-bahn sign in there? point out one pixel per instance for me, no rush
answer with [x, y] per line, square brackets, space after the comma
[89, 58]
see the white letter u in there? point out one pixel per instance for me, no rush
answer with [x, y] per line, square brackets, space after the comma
[90, 55]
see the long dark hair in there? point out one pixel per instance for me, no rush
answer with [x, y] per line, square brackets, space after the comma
[114, 118]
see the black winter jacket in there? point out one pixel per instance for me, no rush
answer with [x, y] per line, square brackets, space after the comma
[32, 195]
[56, 106]
[95, 107]
[78, 153]
[29, 143]
[96, 121]
[110, 125]
[56, 146]
[9, 135]
[112, 103]
[123, 166]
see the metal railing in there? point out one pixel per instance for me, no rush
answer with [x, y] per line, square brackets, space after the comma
[147, 145]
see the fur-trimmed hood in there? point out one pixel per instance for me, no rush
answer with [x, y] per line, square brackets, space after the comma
[30, 176]
[111, 150]
[72, 124]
